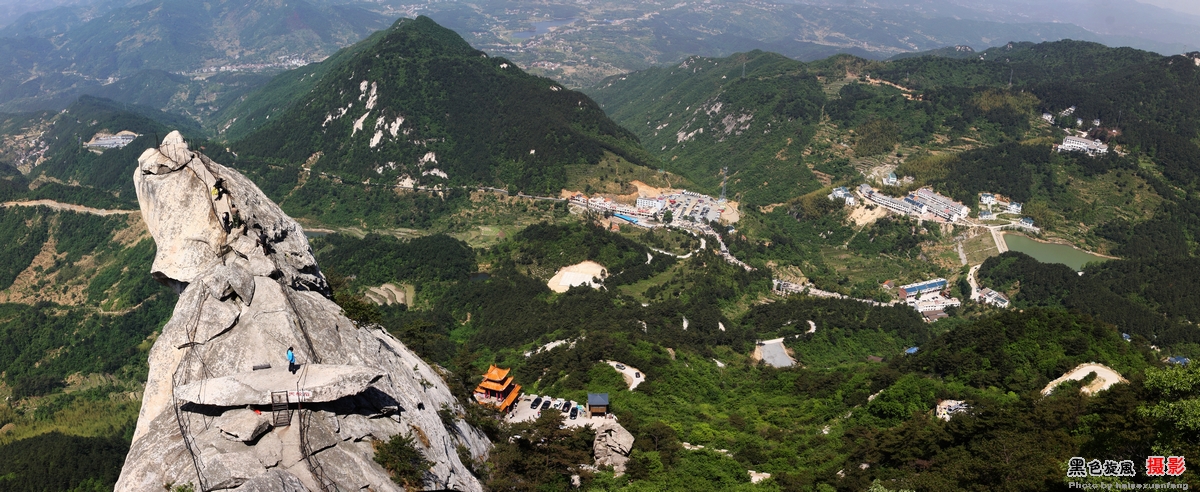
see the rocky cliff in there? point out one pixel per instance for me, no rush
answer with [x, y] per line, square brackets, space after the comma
[222, 408]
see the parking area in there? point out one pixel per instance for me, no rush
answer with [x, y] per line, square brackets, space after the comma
[522, 412]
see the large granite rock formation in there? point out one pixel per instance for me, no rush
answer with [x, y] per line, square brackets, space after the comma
[249, 288]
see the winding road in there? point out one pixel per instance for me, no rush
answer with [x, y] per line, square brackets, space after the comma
[69, 207]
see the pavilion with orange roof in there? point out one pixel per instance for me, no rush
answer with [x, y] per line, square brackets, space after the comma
[497, 389]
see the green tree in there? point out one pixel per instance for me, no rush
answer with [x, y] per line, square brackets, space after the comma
[401, 458]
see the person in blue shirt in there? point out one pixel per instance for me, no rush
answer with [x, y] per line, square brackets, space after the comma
[291, 357]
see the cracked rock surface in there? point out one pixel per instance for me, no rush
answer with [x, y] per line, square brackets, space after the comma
[249, 288]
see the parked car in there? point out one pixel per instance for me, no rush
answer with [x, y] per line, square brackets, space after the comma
[566, 406]
[546, 404]
[637, 375]
[620, 367]
[536, 403]
[574, 412]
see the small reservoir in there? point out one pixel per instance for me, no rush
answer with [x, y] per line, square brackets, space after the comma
[1051, 253]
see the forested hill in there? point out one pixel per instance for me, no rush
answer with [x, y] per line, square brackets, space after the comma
[753, 112]
[420, 104]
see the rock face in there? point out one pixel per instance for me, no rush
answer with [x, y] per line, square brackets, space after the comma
[612, 446]
[249, 288]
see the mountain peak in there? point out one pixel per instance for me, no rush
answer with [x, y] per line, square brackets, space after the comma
[258, 381]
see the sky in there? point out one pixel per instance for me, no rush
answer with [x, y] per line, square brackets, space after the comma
[1188, 6]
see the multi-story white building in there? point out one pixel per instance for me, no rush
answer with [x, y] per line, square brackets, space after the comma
[1077, 144]
[650, 205]
[890, 180]
[1014, 207]
[987, 199]
[940, 205]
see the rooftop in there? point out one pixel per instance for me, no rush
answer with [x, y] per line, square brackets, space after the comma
[597, 399]
[495, 373]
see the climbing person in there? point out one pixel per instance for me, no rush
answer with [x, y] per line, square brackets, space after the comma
[291, 357]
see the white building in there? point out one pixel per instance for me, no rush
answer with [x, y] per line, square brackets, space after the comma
[1014, 207]
[941, 205]
[987, 199]
[1048, 117]
[890, 180]
[989, 296]
[1068, 112]
[934, 301]
[986, 215]
[650, 205]
[1076, 144]
[844, 194]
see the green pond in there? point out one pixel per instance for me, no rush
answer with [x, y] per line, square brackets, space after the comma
[1050, 253]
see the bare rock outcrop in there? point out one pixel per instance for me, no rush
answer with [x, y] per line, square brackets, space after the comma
[249, 288]
[612, 446]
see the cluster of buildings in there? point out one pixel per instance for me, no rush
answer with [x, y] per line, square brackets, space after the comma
[101, 141]
[683, 205]
[1079, 144]
[930, 298]
[923, 201]
[989, 199]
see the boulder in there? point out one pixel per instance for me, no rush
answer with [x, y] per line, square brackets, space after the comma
[242, 424]
[612, 446]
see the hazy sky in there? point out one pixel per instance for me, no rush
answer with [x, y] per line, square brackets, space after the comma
[1189, 6]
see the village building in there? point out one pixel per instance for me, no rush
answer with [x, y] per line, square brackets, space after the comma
[1048, 117]
[934, 301]
[912, 291]
[843, 193]
[890, 180]
[987, 199]
[497, 389]
[989, 296]
[1077, 144]
[649, 205]
[986, 215]
[1014, 207]
[941, 205]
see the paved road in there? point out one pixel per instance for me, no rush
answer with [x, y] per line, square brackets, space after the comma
[999, 238]
[70, 207]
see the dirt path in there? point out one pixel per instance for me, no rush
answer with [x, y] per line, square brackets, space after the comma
[1105, 377]
[69, 207]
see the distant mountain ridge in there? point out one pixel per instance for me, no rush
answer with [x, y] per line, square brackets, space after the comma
[175, 36]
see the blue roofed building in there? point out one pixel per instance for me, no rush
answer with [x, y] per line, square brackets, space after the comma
[597, 404]
[911, 350]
